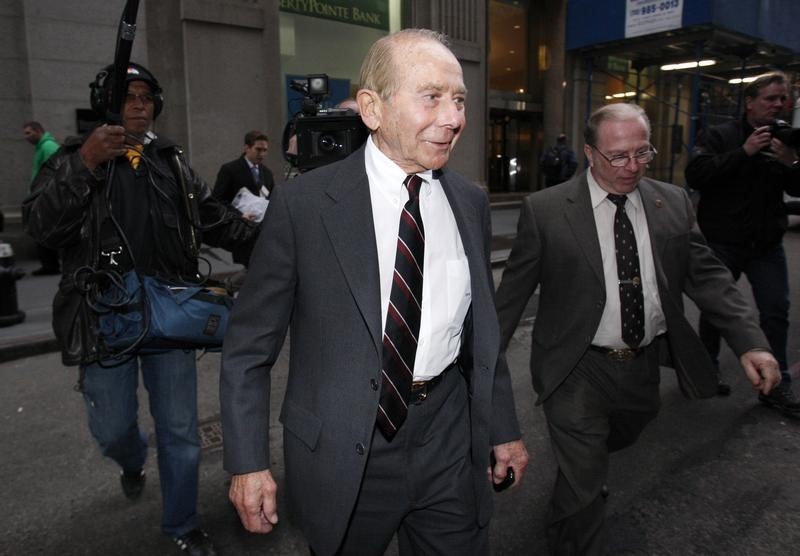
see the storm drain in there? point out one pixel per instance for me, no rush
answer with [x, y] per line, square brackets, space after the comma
[210, 434]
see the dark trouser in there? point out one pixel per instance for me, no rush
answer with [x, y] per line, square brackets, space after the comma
[48, 257]
[601, 407]
[420, 485]
[769, 277]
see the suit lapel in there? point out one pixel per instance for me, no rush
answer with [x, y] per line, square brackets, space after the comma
[350, 228]
[580, 216]
[657, 226]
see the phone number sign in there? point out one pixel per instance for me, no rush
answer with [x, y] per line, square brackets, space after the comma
[643, 17]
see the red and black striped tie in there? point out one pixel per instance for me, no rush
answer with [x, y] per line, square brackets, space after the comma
[403, 316]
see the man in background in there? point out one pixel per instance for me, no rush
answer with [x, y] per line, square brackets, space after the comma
[558, 163]
[249, 173]
[742, 169]
[46, 146]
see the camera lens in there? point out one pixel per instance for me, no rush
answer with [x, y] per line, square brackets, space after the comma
[328, 144]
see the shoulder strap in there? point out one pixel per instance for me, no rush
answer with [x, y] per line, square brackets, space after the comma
[191, 203]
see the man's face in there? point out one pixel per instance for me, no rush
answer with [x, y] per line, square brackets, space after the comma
[31, 135]
[256, 152]
[418, 126]
[767, 106]
[623, 137]
[137, 111]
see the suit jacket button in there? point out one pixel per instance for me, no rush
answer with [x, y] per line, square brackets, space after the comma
[373, 384]
[360, 449]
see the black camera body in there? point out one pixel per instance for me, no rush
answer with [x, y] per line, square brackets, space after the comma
[785, 133]
[323, 135]
[328, 136]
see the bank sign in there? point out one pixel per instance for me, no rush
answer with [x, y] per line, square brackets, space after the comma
[367, 13]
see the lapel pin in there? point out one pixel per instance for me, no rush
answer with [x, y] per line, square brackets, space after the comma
[659, 203]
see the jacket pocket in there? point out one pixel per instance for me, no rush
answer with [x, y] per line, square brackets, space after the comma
[301, 423]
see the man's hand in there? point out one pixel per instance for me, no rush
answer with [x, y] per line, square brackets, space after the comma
[511, 454]
[761, 369]
[253, 495]
[785, 154]
[758, 140]
[104, 143]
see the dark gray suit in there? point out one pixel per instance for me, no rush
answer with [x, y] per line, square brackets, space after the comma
[557, 250]
[315, 268]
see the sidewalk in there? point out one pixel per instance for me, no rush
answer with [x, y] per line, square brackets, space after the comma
[34, 335]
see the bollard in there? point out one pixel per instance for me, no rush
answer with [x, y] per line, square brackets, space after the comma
[9, 274]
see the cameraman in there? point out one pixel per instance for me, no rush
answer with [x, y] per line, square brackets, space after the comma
[146, 198]
[741, 171]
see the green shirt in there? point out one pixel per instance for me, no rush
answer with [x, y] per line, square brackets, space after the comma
[45, 148]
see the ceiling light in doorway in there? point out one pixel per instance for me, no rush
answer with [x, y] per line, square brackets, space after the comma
[626, 94]
[688, 65]
[738, 80]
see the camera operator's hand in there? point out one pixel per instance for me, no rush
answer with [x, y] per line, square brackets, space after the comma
[783, 152]
[758, 140]
[104, 143]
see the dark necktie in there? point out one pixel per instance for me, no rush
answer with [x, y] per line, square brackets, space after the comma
[631, 299]
[256, 174]
[403, 316]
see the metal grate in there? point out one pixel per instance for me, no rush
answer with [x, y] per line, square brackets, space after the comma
[210, 435]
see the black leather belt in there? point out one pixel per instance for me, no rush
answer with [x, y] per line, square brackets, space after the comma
[618, 355]
[421, 388]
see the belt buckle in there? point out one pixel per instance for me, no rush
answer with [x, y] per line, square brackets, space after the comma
[621, 355]
[419, 389]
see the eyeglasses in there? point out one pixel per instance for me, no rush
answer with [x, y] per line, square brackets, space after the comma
[147, 99]
[621, 160]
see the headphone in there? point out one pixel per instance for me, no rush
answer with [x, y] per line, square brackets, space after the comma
[101, 88]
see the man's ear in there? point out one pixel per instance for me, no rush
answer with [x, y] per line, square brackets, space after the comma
[370, 105]
[587, 150]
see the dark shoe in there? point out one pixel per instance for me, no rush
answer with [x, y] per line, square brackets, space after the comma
[723, 388]
[132, 483]
[42, 271]
[196, 542]
[782, 398]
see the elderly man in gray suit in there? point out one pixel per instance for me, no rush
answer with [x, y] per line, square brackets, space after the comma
[380, 266]
[613, 253]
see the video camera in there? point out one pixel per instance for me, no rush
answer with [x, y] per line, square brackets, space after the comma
[785, 133]
[324, 135]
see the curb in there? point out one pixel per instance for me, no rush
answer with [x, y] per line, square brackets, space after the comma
[30, 348]
[46, 342]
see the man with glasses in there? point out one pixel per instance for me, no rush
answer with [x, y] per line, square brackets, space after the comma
[741, 171]
[612, 253]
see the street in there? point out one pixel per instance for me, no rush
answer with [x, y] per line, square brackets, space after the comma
[718, 476]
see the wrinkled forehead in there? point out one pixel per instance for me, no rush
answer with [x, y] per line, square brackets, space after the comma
[427, 64]
[620, 134]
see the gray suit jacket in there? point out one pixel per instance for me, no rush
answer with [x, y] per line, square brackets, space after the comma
[315, 268]
[558, 250]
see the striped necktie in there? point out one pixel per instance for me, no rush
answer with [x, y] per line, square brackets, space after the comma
[403, 316]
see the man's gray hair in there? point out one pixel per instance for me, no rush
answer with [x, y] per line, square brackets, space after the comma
[378, 71]
[620, 111]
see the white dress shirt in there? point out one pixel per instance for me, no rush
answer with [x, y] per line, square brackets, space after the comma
[446, 291]
[609, 332]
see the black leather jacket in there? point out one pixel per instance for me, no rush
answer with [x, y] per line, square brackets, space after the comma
[741, 197]
[65, 211]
